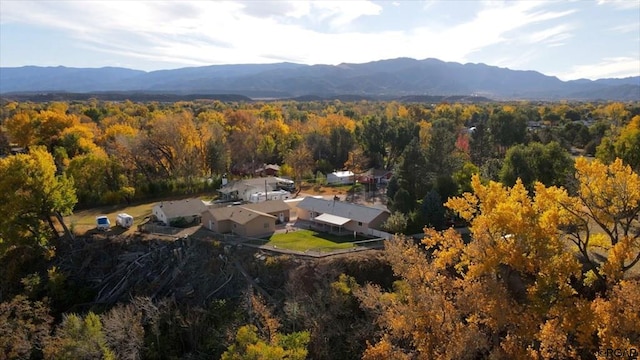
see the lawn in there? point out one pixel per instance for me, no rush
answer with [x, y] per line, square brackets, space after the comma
[85, 220]
[302, 240]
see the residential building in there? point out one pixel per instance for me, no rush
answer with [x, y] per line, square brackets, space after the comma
[187, 211]
[340, 178]
[251, 220]
[341, 217]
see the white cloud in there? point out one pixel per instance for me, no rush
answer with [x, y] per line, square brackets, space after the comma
[341, 13]
[552, 36]
[618, 67]
[621, 4]
[627, 28]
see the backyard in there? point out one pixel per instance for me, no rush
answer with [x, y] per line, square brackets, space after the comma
[302, 240]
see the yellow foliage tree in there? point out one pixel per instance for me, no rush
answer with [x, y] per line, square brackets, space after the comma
[514, 290]
[601, 217]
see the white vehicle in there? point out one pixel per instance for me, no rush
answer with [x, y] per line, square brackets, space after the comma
[124, 220]
[103, 223]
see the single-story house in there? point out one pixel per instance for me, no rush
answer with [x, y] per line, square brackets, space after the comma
[339, 216]
[251, 220]
[242, 190]
[187, 211]
[340, 178]
[375, 176]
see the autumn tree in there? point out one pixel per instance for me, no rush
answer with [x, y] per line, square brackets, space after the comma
[625, 145]
[602, 214]
[301, 161]
[356, 163]
[25, 328]
[123, 331]
[31, 195]
[22, 129]
[515, 290]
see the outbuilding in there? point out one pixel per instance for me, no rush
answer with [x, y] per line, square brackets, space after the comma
[340, 178]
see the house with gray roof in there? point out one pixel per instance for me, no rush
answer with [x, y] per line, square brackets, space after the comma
[342, 217]
[187, 211]
[252, 220]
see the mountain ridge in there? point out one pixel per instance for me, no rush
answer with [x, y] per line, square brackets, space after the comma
[396, 78]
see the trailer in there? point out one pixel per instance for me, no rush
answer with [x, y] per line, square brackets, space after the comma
[124, 220]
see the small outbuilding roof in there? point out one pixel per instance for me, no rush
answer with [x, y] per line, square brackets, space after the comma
[342, 173]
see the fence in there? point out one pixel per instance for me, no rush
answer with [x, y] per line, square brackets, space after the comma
[159, 229]
[380, 234]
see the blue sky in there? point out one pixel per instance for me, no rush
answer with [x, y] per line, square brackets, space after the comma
[568, 39]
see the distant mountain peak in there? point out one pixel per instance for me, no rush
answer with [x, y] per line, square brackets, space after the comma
[387, 78]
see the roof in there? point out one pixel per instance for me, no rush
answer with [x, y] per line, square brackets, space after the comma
[269, 206]
[181, 208]
[332, 219]
[242, 185]
[268, 167]
[376, 172]
[243, 215]
[342, 173]
[237, 214]
[343, 209]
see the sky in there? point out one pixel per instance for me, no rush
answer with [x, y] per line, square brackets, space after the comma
[570, 39]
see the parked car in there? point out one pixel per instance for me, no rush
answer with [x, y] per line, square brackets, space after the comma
[103, 223]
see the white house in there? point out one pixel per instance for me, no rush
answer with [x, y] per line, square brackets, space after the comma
[185, 211]
[340, 178]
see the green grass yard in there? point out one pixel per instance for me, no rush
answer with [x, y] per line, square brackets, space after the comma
[302, 240]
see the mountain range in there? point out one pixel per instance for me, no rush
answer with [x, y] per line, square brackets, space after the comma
[384, 79]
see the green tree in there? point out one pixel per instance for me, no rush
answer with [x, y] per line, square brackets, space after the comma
[549, 164]
[433, 211]
[372, 134]
[396, 223]
[249, 346]
[78, 338]
[508, 128]
[441, 154]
